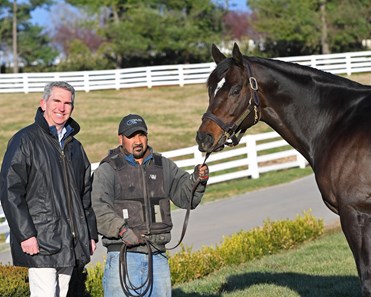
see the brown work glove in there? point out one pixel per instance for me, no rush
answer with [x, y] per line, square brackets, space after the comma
[128, 236]
[201, 173]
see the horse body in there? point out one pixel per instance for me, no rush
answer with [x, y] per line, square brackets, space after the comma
[325, 117]
[329, 124]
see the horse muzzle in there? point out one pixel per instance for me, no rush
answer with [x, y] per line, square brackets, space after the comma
[206, 144]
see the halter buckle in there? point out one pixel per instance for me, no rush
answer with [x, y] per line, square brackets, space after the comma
[253, 83]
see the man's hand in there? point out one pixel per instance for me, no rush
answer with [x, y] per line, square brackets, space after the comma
[128, 236]
[201, 173]
[93, 246]
[30, 246]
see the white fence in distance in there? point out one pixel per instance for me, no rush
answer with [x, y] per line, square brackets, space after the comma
[254, 155]
[167, 75]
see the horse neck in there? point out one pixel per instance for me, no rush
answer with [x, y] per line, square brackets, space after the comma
[308, 115]
[292, 129]
[292, 107]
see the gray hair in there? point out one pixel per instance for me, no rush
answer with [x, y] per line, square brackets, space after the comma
[58, 84]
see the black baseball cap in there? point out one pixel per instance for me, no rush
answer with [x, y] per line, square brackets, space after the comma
[132, 123]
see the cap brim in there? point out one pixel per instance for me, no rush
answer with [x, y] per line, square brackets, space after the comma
[131, 131]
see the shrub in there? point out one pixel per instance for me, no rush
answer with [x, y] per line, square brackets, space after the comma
[94, 281]
[244, 246]
[14, 281]
[187, 265]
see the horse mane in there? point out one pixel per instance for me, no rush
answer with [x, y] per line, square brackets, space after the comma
[291, 69]
[298, 71]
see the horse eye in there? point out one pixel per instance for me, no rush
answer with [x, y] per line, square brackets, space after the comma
[235, 91]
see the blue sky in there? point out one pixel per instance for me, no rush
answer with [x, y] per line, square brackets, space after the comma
[239, 5]
[40, 16]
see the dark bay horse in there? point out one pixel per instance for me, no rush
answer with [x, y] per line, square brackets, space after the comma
[325, 117]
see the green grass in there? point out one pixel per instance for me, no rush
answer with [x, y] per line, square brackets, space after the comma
[324, 267]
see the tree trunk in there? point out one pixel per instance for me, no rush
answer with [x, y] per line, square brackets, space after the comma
[324, 35]
[15, 50]
[116, 20]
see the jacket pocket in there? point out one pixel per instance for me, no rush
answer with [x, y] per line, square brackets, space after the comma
[162, 217]
[48, 234]
[131, 211]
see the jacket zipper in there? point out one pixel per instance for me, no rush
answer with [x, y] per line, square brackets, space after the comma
[69, 198]
[147, 208]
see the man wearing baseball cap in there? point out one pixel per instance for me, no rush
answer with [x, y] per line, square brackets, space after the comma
[132, 190]
[132, 123]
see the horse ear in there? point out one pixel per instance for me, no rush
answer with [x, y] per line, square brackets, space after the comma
[237, 56]
[217, 54]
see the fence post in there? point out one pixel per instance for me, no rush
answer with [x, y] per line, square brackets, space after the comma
[313, 63]
[117, 79]
[252, 156]
[301, 160]
[348, 64]
[25, 83]
[181, 75]
[86, 82]
[149, 80]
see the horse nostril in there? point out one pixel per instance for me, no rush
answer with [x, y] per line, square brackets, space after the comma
[204, 138]
[209, 139]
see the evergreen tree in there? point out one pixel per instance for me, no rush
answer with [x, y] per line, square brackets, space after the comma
[22, 42]
[291, 27]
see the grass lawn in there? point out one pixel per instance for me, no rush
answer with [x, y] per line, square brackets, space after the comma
[324, 267]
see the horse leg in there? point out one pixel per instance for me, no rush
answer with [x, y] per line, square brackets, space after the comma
[356, 226]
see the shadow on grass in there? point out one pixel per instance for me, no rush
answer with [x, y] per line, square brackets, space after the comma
[304, 285]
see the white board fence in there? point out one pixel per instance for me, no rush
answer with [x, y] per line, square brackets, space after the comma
[167, 75]
[254, 155]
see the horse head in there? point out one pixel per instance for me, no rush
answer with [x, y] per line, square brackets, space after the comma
[233, 102]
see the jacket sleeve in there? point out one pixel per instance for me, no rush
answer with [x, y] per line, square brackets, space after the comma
[179, 185]
[13, 189]
[86, 200]
[103, 196]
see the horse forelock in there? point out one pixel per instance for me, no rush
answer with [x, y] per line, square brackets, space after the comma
[217, 75]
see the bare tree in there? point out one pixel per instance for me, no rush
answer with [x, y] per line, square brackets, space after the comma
[324, 35]
[15, 50]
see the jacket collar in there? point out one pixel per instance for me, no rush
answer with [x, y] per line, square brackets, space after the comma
[148, 157]
[41, 121]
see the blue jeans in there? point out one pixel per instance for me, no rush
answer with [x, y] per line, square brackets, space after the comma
[137, 264]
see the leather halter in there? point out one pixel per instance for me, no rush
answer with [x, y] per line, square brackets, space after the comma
[233, 131]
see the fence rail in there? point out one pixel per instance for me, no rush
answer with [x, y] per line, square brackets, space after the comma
[345, 63]
[254, 155]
